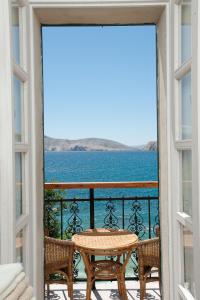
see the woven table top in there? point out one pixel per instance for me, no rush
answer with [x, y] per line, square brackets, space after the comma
[104, 239]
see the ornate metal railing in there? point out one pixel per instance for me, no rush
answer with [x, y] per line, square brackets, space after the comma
[65, 215]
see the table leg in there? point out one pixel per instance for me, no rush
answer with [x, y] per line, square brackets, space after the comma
[89, 289]
[119, 285]
[121, 276]
[123, 287]
[89, 273]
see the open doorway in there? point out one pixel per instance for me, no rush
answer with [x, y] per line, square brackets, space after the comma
[100, 108]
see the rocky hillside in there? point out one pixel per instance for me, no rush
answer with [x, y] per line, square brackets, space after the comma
[151, 146]
[92, 144]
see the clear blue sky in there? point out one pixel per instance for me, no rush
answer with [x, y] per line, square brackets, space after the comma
[100, 82]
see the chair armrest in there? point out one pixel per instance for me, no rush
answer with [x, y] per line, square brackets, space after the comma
[50, 240]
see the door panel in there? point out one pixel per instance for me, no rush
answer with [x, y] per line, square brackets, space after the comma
[184, 233]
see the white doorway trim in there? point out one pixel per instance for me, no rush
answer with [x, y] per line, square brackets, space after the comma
[40, 13]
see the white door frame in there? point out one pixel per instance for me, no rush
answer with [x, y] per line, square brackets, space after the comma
[7, 181]
[164, 126]
[196, 133]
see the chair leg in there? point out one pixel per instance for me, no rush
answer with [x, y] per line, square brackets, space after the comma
[159, 280]
[70, 288]
[142, 288]
[48, 291]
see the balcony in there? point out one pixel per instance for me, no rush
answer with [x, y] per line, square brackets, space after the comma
[73, 207]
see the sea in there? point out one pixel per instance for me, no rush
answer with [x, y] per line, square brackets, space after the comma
[83, 166]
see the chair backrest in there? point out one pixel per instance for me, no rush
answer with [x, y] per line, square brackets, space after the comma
[149, 252]
[58, 250]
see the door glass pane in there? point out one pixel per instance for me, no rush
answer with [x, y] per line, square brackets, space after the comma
[19, 247]
[17, 85]
[19, 184]
[187, 181]
[15, 34]
[186, 109]
[188, 261]
[185, 30]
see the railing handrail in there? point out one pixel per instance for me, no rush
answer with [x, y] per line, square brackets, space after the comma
[99, 185]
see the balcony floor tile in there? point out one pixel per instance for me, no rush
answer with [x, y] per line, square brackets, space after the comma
[104, 291]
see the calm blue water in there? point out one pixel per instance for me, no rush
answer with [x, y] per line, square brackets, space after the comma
[102, 166]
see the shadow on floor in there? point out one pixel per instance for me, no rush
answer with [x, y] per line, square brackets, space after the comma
[133, 294]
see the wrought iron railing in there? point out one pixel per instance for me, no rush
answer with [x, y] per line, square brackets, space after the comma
[66, 214]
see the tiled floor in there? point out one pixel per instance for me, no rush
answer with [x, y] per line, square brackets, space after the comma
[104, 291]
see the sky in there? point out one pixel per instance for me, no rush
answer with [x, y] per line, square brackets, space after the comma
[100, 82]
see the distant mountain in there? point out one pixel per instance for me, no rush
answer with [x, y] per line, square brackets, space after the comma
[91, 144]
[150, 146]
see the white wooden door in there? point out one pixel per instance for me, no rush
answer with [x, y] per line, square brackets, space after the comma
[185, 152]
[15, 136]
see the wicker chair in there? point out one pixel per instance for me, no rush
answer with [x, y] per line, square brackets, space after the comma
[59, 260]
[148, 259]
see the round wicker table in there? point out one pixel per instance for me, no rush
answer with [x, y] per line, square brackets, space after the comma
[116, 245]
